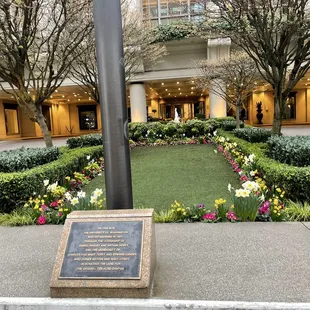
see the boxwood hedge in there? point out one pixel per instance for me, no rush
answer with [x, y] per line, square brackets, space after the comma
[295, 180]
[24, 158]
[17, 187]
[157, 130]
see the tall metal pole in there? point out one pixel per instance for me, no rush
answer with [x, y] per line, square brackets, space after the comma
[110, 55]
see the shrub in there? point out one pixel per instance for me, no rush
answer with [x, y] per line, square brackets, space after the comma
[253, 134]
[17, 187]
[294, 180]
[297, 211]
[293, 151]
[23, 159]
[85, 141]
[230, 125]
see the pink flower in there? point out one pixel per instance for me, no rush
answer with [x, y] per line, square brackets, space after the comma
[204, 141]
[60, 214]
[244, 178]
[264, 209]
[231, 216]
[54, 204]
[41, 220]
[44, 207]
[209, 216]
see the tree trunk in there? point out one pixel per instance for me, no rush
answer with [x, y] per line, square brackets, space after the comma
[237, 116]
[277, 116]
[42, 123]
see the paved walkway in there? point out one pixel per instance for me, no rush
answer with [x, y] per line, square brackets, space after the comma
[227, 262]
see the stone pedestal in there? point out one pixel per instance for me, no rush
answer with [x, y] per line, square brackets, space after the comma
[106, 254]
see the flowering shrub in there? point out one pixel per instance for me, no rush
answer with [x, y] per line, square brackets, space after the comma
[255, 200]
[55, 202]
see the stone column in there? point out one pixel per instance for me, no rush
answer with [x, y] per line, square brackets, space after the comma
[138, 103]
[218, 48]
[218, 106]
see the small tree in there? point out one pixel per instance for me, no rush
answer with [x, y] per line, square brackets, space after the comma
[139, 48]
[37, 38]
[276, 35]
[233, 79]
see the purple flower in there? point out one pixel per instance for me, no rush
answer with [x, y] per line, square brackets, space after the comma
[200, 206]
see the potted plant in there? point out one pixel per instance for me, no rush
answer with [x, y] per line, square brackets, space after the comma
[259, 109]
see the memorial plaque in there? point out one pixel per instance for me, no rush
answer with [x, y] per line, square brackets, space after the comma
[106, 254]
[103, 250]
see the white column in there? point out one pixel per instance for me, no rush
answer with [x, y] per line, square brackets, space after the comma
[218, 48]
[138, 103]
[218, 107]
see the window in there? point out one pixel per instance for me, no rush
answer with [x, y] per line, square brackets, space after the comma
[11, 118]
[88, 117]
[290, 107]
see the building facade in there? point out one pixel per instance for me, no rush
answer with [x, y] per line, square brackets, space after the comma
[156, 90]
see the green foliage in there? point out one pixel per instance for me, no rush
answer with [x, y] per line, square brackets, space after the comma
[85, 141]
[153, 131]
[23, 159]
[294, 180]
[17, 187]
[164, 216]
[230, 125]
[297, 211]
[18, 217]
[290, 150]
[255, 135]
[176, 31]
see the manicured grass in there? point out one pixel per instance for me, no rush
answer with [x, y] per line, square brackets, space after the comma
[190, 174]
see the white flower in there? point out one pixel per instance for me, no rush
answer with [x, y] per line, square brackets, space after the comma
[229, 187]
[240, 172]
[262, 197]
[74, 201]
[221, 139]
[251, 186]
[97, 193]
[46, 182]
[88, 157]
[251, 158]
[214, 133]
[215, 151]
[68, 196]
[52, 187]
[242, 193]
[81, 194]
[183, 134]
[93, 199]
[234, 144]
[99, 174]
[160, 135]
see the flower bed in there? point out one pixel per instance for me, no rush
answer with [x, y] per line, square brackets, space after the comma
[294, 180]
[17, 187]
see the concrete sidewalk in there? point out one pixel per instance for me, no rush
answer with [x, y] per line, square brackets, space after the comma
[262, 262]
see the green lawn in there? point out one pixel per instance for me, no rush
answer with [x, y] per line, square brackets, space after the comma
[190, 174]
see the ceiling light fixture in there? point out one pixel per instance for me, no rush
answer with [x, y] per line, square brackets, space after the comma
[162, 83]
[178, 82]
[56, 91]
[192, 92]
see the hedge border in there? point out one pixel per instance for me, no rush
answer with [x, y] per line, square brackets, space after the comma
[294, 180]
[17, 187]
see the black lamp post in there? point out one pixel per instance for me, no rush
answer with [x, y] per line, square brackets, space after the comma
[110, 55]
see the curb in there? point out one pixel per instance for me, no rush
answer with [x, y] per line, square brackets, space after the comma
[140, 304]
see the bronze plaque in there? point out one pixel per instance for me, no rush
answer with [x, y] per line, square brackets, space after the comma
[103, 250]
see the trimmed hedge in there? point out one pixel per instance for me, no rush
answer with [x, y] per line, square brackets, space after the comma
[293, 151]
[85, 141]
[24, 158]
[254, 135]
[230, 125]
[294, 180]
[17, 187]
[157, 130]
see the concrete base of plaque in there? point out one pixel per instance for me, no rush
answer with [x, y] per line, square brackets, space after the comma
[106, 254]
